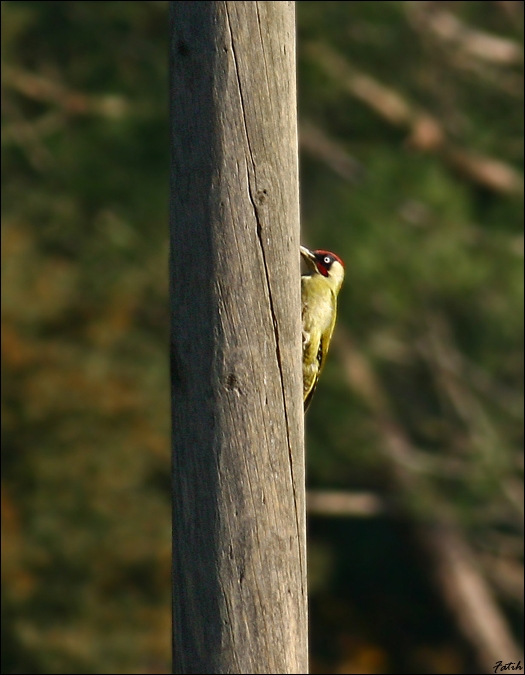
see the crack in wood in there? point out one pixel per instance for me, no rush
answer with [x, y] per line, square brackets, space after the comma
[269, 292]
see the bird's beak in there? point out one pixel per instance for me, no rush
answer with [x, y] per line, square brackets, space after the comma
[309, 257]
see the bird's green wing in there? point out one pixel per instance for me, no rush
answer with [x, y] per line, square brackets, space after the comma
[320, 360]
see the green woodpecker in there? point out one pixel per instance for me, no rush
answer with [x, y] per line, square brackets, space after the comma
[319, 289]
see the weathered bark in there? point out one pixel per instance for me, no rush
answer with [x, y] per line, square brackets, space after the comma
[239, 569]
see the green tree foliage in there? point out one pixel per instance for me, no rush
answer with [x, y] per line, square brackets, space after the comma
[412, 134]
[411, 117]
[85, 349]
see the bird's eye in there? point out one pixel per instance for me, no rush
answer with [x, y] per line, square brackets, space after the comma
[326, 260]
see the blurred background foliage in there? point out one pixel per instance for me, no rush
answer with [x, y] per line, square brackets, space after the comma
[411, 133]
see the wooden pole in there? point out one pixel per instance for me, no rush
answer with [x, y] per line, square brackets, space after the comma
[239, 564]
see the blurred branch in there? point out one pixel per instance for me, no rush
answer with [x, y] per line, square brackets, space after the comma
[384, 101]
[43, 126]
[314, 141]
[456, 571]
[490, 57]
[512, 8]
[480, 44]
[507, 576]
[508, 400]
[502, 544]
[354, 504]
[28, 135]
[40, 88]
[469, 597]
[487, 171]
[425, 132]
[445, 362]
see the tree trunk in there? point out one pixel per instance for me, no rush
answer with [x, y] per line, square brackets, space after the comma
[239, 562]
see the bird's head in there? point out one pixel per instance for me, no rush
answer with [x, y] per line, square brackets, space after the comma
[328, 265]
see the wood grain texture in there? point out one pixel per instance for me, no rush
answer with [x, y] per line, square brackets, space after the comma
[239, 561]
